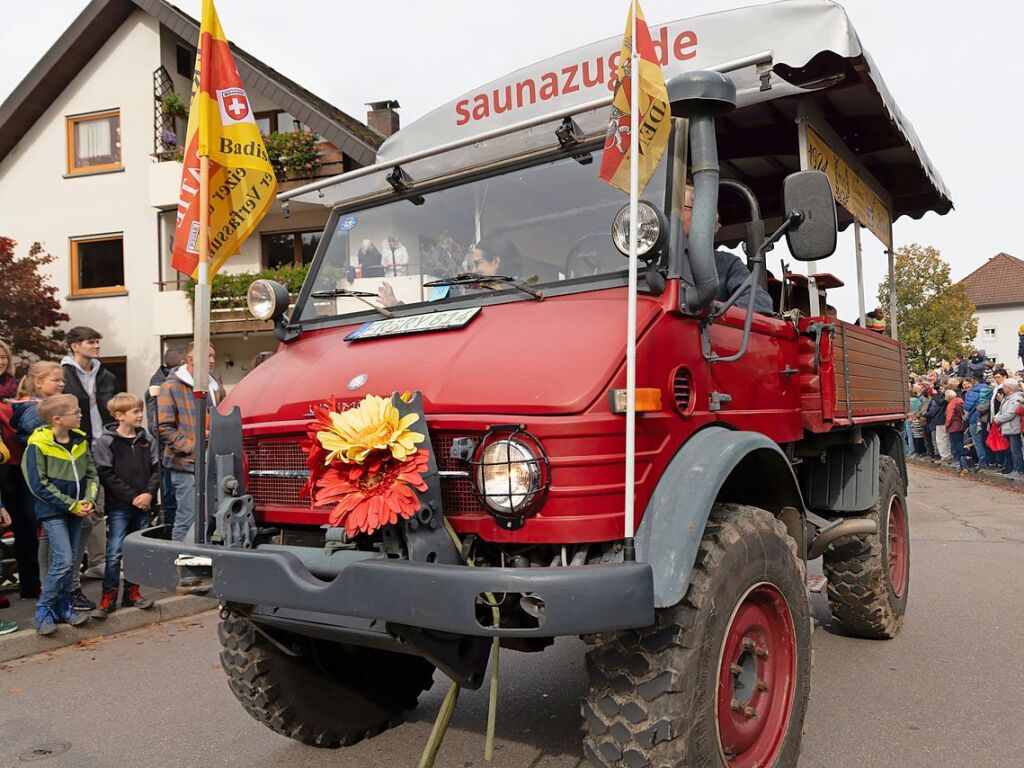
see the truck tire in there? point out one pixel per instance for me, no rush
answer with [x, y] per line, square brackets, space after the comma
[720, 680]
[869, 575]
[332, 695]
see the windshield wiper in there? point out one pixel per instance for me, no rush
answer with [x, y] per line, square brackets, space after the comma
[361, 295]
[491, 282]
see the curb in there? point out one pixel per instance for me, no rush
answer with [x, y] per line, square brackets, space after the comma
[26, 642]
[988, 478]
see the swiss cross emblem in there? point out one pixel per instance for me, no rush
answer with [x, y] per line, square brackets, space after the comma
[234, 105]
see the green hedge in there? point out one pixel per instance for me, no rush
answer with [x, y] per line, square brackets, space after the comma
[232, 288]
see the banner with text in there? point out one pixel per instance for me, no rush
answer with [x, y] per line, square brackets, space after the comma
[221, 126]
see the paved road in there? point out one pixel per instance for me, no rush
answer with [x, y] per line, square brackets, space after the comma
[946, 693]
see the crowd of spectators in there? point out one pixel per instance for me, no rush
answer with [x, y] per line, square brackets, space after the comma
[968, 414]
[79, 472]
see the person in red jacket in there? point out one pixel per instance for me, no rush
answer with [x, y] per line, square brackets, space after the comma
[956, 424]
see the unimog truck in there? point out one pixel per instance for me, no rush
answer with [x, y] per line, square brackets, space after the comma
[763, 440]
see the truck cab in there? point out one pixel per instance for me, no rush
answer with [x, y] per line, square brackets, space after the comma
[472, 278]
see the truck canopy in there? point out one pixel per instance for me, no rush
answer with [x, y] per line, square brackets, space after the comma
[814, 61]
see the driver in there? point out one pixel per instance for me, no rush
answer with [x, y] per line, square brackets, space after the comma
[731, 270]
[491, 256]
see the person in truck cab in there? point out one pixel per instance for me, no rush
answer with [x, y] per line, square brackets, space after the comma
[731, 270]
[491, 256]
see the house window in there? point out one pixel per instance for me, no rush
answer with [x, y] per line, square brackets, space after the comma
[119, 367]
[988, 334]
[289, 248]
[97, 265]
[94, 142]
[184, 60]
[278, 121]
[171, 278]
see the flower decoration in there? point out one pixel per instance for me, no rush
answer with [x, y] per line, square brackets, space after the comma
[374, 425]
[363, 459]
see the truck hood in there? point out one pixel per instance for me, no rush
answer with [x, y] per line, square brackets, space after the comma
[546, 357]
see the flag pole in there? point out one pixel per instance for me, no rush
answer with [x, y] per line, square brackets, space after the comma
[629, 551]
[201, 347]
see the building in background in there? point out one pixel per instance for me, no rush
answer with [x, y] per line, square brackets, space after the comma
[89, 148]
[997, 291]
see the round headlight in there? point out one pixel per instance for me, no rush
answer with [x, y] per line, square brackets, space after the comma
[508, 475]
[651, 229]
[267, 299]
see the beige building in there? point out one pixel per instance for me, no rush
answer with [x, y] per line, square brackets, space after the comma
[88, 148]
[996, 289]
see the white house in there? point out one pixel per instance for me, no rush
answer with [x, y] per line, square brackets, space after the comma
[87, 167]
[997, 291]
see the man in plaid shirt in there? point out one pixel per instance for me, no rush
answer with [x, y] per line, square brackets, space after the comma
[176, 415]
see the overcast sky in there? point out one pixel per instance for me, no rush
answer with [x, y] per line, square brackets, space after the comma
[954, 68]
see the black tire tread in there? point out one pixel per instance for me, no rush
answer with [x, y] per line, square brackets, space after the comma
[641, 681]
[257, 671]
[859, 594]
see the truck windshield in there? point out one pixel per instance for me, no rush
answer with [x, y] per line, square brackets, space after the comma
[546, 224]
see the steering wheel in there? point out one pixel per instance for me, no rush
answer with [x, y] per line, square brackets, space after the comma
[590, 266]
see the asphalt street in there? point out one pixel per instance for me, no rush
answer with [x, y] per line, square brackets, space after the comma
[946, 693]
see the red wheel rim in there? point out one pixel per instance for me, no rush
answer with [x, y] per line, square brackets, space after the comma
[756, 679]
[897, 535]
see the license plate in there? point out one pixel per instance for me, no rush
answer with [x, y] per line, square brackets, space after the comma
[399, 326]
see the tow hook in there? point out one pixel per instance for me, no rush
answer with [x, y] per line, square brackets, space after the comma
[195, 574]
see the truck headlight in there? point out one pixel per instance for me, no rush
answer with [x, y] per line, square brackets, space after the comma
[267, 299]
[652, 230]
[511, 475]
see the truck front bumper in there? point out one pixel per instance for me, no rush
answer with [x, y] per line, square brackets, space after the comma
[577, 599]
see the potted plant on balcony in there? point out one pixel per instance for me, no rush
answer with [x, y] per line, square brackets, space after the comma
[173, 105]
[293, 154]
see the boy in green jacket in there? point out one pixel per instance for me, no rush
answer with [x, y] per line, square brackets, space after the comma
[64, 483]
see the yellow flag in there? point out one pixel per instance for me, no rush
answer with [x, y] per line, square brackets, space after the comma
[655, 124]
[221, 126]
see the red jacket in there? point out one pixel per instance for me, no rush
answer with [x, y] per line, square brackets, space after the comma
[955, 415]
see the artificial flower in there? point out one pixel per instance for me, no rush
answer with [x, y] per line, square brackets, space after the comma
[368, 496]
[352, 435]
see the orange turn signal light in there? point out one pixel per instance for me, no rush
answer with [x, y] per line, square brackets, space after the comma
[647, 399]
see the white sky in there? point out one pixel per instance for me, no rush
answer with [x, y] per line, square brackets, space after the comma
[950, 65]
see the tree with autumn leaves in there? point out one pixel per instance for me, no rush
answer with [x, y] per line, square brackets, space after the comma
[31, 311]
[935, 316]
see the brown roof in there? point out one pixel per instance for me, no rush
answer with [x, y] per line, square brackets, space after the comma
[101, 19]
[1000, 280]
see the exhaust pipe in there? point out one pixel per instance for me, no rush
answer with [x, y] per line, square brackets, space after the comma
[839, 530]
[699, 96]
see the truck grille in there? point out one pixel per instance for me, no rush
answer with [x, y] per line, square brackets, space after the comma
[286, 455]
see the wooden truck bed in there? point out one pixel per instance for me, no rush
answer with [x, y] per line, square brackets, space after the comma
[851, 375]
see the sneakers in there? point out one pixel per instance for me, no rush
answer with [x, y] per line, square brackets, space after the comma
[46, 627]
[80, 602]
[132, 598]
[76, 619]
[7, 627]
[108, 604]
[4, 602]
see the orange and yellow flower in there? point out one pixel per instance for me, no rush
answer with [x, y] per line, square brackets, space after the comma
[367, 496]
[374, 425]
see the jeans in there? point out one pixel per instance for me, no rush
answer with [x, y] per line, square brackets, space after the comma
[120, 522]
[18, 500]
[979, 435]
[54, 600]
[908, 438]
[956, 443]
[168, 502]
[85, 525]
[1017, 453]
[185, 495]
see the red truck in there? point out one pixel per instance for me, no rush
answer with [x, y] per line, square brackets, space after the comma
[497, 295]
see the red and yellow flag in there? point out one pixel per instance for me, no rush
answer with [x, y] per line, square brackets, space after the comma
[655, 124]
[221, 126]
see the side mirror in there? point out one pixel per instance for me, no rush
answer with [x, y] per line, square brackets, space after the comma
[809, 194]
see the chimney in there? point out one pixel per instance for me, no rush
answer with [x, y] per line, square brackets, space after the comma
[382, 116]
